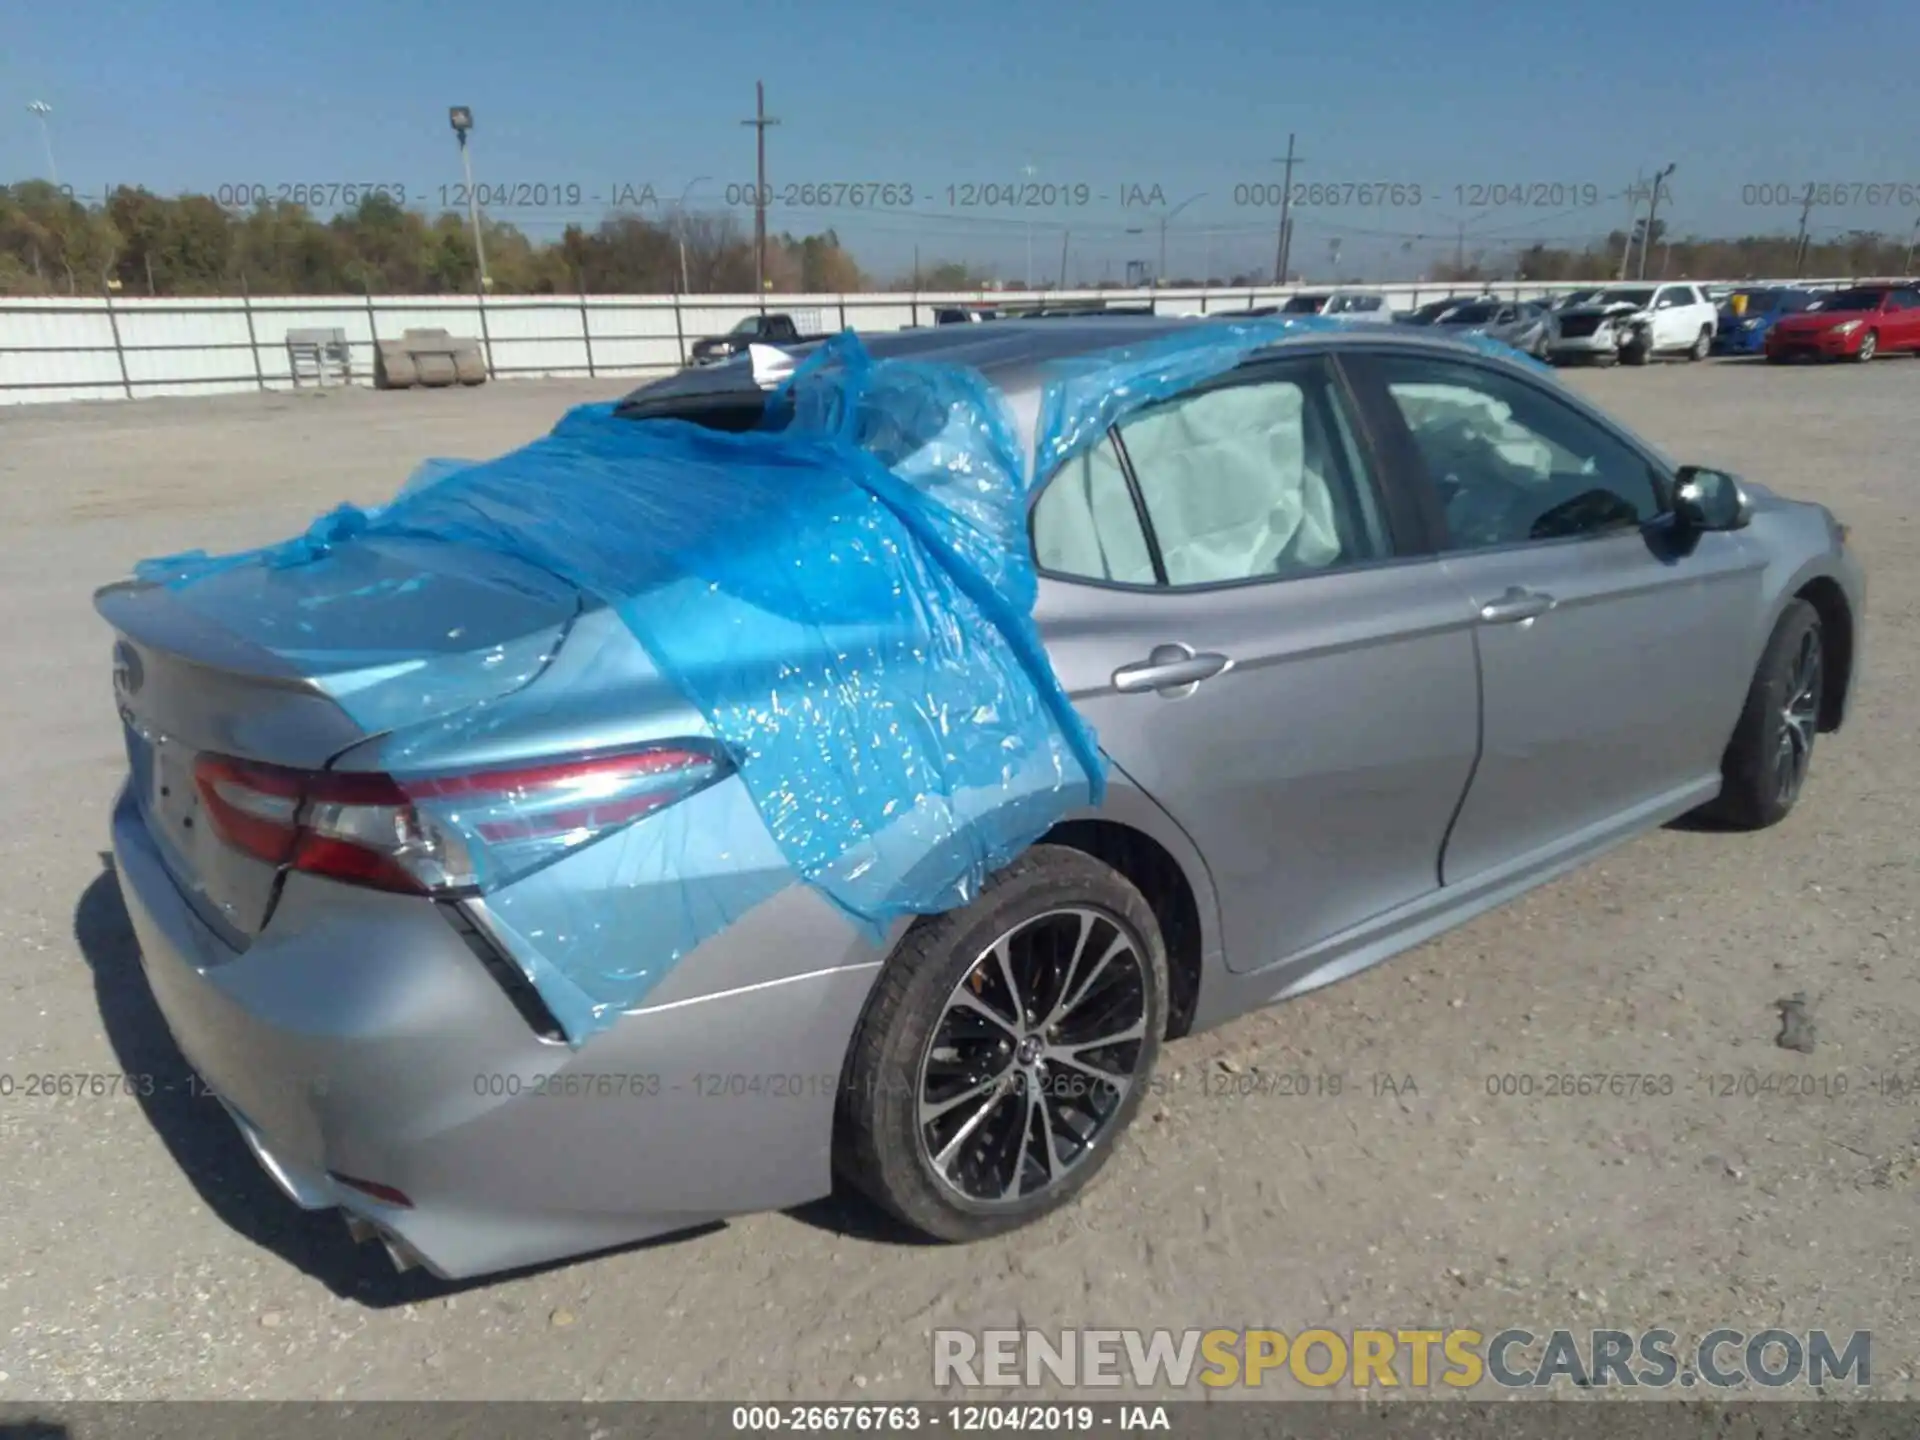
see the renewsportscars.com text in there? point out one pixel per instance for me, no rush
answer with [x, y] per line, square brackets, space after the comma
[1459, 1359]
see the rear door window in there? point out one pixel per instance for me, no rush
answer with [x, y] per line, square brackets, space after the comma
[1256, 480]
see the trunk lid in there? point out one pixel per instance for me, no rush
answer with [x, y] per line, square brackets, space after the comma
[293, 665]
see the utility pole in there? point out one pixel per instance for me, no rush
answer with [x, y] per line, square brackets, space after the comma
[41, 110]
[1915, 236]
[1065, 236]
[1029, 171]
[1633, 220]
[1284, 241]
[761, 120]
[1800, 242]
[1653, 210]
[1460, 252]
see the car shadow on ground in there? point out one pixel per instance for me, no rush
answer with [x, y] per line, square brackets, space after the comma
[209, 1150]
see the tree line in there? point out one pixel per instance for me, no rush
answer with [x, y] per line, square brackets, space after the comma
[138, 243]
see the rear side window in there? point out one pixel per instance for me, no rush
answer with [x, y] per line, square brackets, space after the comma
[1255, 480]
[1085, 525]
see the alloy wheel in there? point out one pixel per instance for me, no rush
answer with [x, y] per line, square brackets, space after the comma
[1033, 1056]
[1800, 718]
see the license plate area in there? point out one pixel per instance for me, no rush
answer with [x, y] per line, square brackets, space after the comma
[230, 891]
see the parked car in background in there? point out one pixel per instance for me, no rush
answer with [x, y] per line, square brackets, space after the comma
[1428, 313]
[772, 328]
[1748, 313]
[1319, 760]
[1358, 305]
[1566, 300]
[1523, 325]
[1855, 324]
[1630, 324]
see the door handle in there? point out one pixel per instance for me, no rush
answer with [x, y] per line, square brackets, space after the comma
[1515, 605]
[1173, 670]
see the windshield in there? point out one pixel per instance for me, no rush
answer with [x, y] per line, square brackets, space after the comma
[1852, 300]
[1641, 296]
[1304, 305]
[1471, 315]
[1578, 297]
[1758, 302]
[748, 326]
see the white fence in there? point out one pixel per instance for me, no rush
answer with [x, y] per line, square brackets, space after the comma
[103, 348]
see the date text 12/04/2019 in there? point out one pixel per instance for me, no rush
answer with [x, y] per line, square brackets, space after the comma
[958, 1419]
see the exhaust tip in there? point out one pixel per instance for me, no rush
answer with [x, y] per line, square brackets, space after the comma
[360, 1230]
[403, 1255]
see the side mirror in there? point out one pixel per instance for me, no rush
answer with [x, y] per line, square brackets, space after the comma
[1706, 499]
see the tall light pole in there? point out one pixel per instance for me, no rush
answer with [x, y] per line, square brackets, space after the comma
[1911, 241]
[41, 110]
[461, 118]
[680, 229]
[1164, 218]
[760, 121]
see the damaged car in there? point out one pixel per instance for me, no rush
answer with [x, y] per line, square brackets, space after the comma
[1528, 328]
[1631, 324]
[759, 787]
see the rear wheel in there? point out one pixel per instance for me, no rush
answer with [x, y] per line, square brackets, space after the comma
[1766, 763]
[1869, 347]
[1005, 1048]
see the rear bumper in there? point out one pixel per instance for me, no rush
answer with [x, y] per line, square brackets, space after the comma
[360, 1036]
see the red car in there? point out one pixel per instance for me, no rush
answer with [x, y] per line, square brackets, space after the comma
[1855, 324]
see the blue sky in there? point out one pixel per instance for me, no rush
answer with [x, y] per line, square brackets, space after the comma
[1194, 98]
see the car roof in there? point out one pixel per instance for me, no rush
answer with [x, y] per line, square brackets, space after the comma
[1013, 354]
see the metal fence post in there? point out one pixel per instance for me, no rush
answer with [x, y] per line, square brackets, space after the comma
[843, 311]
[373, 334]
[586, 330]
[119, 350]
[486, 340]
[679, 330]
[914, 300]
[253, 340]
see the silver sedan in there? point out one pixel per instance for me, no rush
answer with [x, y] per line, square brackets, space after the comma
[1377, 631]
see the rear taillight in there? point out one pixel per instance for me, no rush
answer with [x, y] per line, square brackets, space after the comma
[445, 833]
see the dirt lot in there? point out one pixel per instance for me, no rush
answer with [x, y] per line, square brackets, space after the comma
[146, 1255]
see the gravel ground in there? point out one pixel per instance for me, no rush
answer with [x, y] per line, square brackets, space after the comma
[147, 1256]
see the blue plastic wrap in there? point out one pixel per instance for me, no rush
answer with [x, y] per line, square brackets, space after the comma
[847, 602]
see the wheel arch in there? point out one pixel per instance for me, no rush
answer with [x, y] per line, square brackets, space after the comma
[1829, 601]
[1152, 870]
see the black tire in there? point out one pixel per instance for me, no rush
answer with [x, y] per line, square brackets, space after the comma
[1637, 353]
[882, 1147]
[1703, 346]
[1753, 794]
[1869, 347]
[1776, 358]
